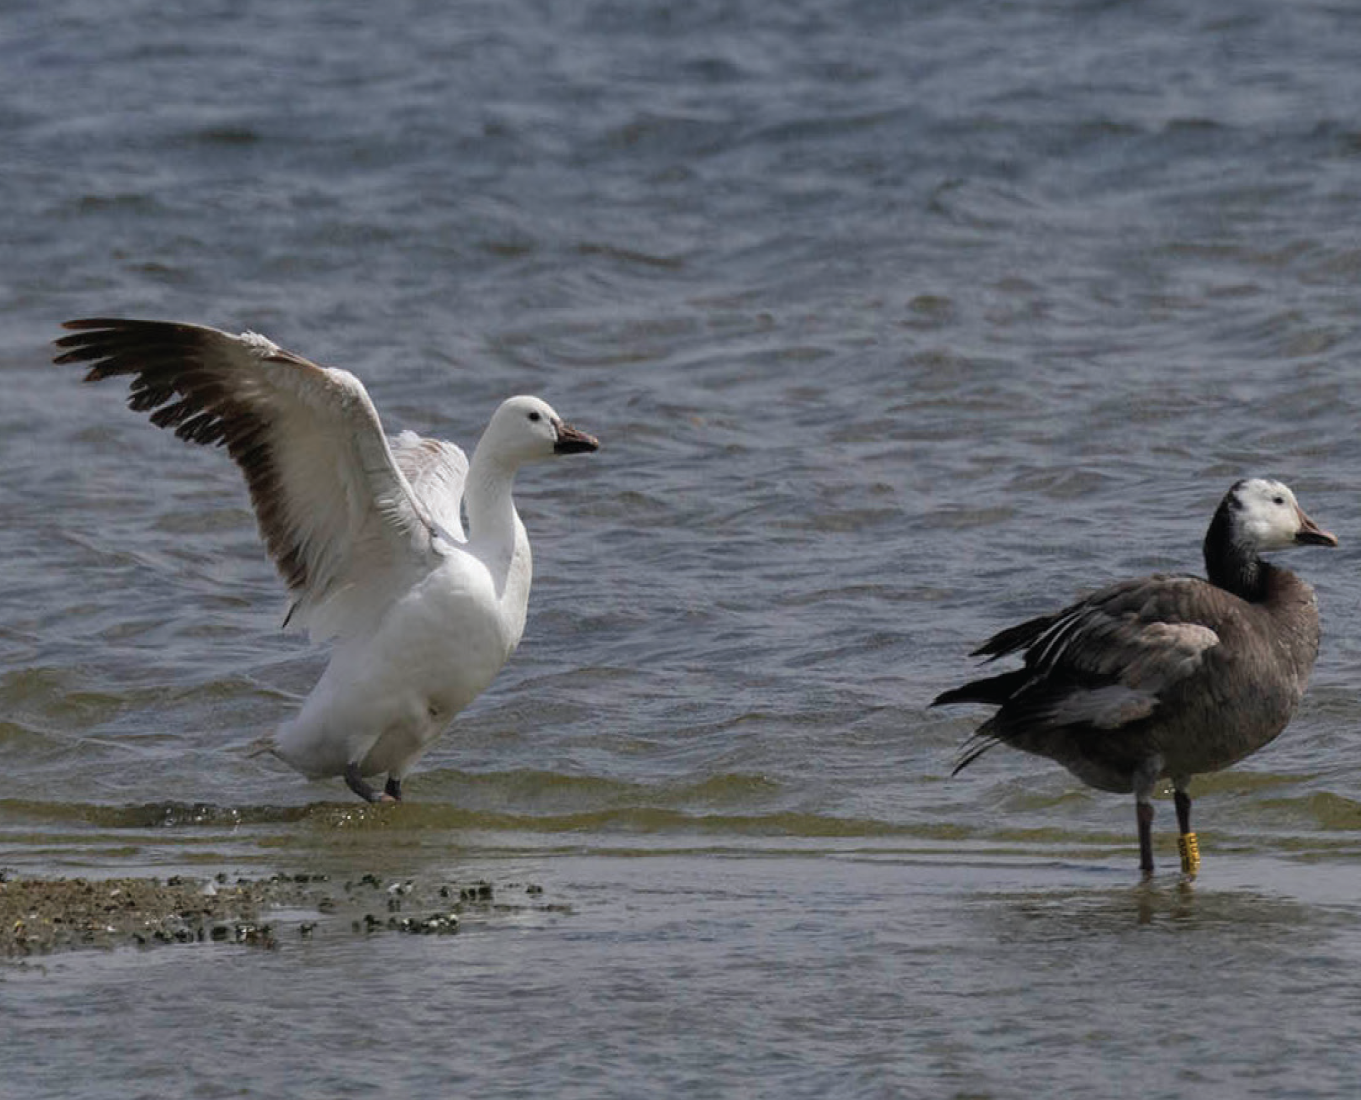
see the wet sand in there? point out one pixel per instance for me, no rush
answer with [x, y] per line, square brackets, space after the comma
[42, 915]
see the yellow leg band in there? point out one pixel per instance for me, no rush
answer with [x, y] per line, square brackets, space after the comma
[1189, 847]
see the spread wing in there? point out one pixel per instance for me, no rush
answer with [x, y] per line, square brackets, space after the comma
[436, 471]
[335, 510]
[1101, 664]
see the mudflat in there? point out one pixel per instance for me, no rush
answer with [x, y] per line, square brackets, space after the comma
[42, 915]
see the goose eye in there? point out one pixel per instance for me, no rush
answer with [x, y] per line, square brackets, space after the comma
[1278, 500]
[535, 417]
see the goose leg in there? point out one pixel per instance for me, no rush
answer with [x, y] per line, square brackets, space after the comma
[393, 789]
[364, 790]
[1187, 844]
[1143, 811]
[1145, 779]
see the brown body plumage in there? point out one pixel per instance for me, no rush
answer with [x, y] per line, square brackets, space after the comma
[1164, 677]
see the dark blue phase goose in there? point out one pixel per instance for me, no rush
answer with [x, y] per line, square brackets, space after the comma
[1164, 677]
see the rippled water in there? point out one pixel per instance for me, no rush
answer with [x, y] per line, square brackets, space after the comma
[897, 323]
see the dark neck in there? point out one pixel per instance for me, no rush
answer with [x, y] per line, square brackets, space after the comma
[1230, 565]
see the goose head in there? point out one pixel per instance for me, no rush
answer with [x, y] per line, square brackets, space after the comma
[526, 429]
[1257, 515]
[1263, 515]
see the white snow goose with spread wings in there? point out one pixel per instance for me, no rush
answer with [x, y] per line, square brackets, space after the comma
[366, 531]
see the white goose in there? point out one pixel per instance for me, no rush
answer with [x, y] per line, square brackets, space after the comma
[365, 531]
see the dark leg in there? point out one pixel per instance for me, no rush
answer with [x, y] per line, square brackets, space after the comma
[357, 783]
[1145, 779]
[1187, 843]
[393, 790]
[1182, 800]
[1144, 812]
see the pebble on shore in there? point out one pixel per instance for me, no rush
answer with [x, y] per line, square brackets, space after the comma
[43, 915]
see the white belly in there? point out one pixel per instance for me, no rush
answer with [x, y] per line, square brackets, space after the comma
[384, 698]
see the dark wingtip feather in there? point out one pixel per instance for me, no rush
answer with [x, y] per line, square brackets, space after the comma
[96, 322]
[992, 691]
[973, 748]
[182, 381]
[1020, 636]
[945, 698]
[88, 330]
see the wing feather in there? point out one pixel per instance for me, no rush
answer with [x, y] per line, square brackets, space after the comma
[335, 510]
[1101, 664]
[436, 471]
[1145, 634]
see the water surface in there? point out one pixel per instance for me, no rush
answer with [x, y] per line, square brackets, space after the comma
[898, 323]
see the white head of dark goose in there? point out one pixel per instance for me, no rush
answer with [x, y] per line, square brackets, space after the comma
[366, 531]
[1164, 677]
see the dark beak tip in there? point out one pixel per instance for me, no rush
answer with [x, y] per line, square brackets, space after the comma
[1317, 537]
[571, 441]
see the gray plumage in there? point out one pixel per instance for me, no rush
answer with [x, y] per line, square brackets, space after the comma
[1164, 676]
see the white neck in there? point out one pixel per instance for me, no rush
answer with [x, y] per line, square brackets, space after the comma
[495, 534]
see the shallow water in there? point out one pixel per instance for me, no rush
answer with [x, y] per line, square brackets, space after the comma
[898, 323]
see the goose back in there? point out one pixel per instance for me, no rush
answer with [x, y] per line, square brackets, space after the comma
[1165, 666]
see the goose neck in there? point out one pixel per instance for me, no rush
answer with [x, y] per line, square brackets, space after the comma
[489, 501]
[1232, 566]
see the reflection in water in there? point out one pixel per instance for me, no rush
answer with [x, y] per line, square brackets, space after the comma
[1172, 902]
[1177, 903]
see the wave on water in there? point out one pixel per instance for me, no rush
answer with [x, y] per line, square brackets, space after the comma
[442, 817]
[1309, 825]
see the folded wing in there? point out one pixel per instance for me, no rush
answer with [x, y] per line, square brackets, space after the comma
[1099, 665]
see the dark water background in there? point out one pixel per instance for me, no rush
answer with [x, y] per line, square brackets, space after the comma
[898, 322]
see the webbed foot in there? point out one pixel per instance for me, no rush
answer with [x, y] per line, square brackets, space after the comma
[362, 787]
